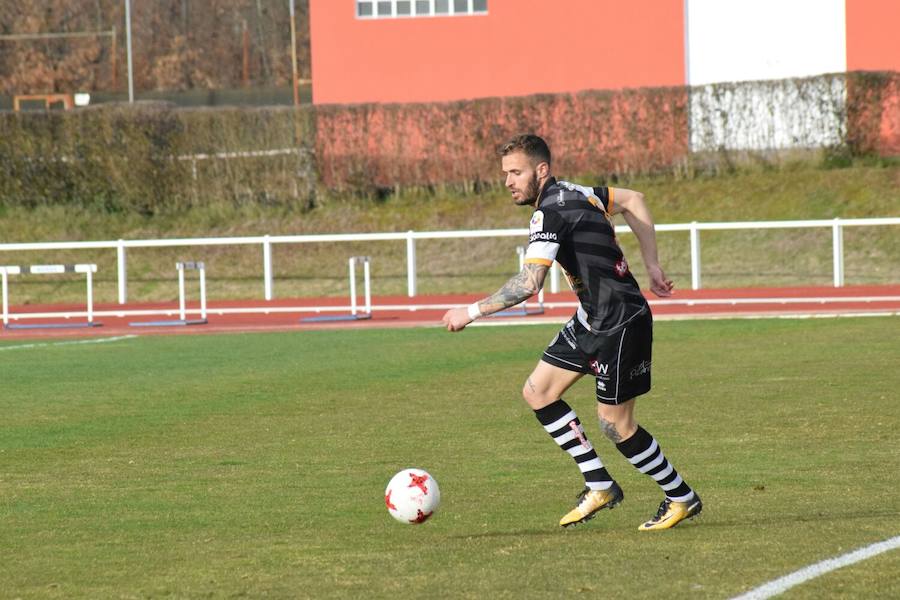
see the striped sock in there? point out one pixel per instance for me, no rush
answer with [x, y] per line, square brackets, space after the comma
[561, 422]
[642, 451]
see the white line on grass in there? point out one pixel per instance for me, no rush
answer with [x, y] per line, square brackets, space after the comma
[782, 584]
[70, 343]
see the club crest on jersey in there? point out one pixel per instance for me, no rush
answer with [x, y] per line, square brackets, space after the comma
[622, 267]
[537, 221]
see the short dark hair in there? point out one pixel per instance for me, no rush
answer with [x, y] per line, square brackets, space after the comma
[533, 146]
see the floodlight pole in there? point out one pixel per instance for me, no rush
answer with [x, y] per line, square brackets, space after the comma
[128, 52]
[294, 54]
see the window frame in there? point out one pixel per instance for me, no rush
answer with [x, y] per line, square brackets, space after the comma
[414, 10]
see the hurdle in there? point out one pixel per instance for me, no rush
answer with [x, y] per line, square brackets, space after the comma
[522, 310]
[355, 314]
[87, 269]
[182, 312]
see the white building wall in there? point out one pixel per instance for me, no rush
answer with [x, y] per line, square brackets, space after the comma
[764, 40]
[765, 115]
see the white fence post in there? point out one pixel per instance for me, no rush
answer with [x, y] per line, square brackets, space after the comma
[267, 267]
[202, 269]
[410, 264]
[367, 282]
[123, 272]
[695, 256]
[837, 239]
[351, 263]
[5, 292]
[89, 274]
[182, 313]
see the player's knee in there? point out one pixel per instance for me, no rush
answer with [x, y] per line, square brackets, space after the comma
[528, 394]
[533, 396]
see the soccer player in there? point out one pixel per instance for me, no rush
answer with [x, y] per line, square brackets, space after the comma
[609, 337]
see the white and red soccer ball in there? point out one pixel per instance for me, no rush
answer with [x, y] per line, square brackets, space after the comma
[412, 496]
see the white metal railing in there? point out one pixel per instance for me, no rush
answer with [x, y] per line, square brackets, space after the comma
[266, 241]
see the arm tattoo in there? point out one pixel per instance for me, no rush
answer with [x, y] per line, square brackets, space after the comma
[609, 430]
[519, 288]
[531, 385]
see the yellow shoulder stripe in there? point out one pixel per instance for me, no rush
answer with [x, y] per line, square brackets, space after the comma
[539, 261]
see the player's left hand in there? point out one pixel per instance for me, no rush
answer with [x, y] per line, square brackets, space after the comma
[456, 319]
[574, 187]
[660, 285]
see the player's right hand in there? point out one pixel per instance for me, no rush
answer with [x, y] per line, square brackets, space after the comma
[660, 285]
[456, 319]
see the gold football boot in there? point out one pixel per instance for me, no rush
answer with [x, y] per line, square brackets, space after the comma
[590, 501]
[672, 513]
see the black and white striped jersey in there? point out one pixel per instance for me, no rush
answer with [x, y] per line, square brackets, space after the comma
[577, 232]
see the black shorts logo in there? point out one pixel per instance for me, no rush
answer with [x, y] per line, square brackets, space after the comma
[599, 368]
[642, 369]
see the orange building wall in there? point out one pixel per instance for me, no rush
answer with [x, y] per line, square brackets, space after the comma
[520, 47]
[873, 43]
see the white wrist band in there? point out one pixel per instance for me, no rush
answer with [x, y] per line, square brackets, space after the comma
[474, 311]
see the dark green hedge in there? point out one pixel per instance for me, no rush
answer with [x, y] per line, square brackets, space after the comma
[152, 157]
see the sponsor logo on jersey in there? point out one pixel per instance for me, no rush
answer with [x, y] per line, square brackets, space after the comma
[622, 267]
[537, 221]
[545, 236]
[601, 386]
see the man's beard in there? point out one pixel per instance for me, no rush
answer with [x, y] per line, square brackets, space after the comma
[530, 193]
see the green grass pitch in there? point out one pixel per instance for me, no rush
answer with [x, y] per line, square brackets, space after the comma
[255, 464]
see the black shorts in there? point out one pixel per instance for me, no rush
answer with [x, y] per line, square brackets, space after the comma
[619, 360]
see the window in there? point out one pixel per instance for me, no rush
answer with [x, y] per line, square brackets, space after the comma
[387, 9]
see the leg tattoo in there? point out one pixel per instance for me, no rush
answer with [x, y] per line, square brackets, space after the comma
[610, 431]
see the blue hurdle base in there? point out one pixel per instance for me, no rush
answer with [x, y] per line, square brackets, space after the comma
[50, 325]
[177, 322]
[325, 318]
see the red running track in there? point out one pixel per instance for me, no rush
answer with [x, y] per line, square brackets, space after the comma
[401, 311]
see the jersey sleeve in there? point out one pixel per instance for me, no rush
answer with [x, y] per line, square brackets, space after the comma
[546, 231]
[605, 195]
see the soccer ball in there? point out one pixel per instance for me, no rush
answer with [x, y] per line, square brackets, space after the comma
[412, 496]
